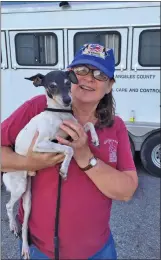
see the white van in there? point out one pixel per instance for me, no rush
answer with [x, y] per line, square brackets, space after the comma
[39, 37]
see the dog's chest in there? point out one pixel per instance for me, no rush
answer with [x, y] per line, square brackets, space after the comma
[56, 120]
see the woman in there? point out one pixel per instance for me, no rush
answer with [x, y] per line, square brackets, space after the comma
[97, 175]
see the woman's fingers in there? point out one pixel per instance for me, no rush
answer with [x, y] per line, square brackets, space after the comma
[63, 141]
[59, 158]
[74, 126]
[74, 130]
[74, 135]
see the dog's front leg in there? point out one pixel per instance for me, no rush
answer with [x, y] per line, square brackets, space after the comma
[50, 147]
[16, 184]
[90, 127]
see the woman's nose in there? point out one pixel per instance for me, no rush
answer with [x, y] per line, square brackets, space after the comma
[88, 77]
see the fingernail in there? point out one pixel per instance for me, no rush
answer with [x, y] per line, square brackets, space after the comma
[58, 137]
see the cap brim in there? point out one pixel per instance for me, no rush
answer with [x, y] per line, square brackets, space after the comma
[93, 63]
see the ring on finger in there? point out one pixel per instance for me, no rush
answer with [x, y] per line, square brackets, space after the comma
[76, 138]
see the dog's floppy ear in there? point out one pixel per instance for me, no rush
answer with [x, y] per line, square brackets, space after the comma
[72, 76]
[37, 80]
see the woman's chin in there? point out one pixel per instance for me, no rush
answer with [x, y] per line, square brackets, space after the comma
[86, 99]
[85, 96]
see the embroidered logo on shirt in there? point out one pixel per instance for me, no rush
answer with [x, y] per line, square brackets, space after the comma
[112, 149]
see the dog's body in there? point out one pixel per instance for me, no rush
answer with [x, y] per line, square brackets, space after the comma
[19, 183]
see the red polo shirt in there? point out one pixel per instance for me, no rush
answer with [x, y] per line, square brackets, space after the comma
[85, 211]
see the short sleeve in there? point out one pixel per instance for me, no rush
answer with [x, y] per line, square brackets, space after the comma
[125, 160]
[18, 119]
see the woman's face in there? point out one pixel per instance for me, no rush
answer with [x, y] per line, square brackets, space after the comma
[90, 89]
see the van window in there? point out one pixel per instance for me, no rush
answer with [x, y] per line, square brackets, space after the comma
[36, 49]
[109, 39]
[149, 48]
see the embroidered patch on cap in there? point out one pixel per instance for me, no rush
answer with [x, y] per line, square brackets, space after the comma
[94, 50]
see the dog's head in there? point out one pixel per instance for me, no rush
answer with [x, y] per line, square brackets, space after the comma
[57, 85]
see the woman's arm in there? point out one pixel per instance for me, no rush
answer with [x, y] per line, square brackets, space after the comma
[11, 161]
[10, 128]
[113, 183]
[118, 184]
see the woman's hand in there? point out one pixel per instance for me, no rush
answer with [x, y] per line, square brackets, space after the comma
[36, 161]
[79, 143]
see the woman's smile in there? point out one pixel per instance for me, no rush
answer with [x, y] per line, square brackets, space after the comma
[86, 88]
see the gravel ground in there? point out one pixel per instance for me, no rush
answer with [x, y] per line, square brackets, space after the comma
[135, 224]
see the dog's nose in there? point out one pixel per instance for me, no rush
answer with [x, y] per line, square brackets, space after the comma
[67, 100]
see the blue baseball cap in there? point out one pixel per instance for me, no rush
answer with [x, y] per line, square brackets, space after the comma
[97, 56]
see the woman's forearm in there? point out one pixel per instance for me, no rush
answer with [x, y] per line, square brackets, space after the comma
[113, 183]
[11, 161]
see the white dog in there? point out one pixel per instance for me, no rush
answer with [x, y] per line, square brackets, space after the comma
[57, 85]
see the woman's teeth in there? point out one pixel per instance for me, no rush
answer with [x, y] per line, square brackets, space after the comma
[86, 88]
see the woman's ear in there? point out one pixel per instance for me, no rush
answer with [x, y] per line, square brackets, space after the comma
[110, 85]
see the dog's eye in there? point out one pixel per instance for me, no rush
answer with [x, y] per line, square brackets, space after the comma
[53, 85]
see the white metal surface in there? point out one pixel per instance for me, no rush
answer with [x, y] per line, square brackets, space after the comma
[137, 89]
[4, 55]
[39, 6]
[87, 16]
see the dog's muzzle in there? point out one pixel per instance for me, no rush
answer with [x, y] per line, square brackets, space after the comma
[67, 100]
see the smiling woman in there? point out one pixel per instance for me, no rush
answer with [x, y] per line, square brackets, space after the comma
[105, 110]
[101, 80]
[97, 175]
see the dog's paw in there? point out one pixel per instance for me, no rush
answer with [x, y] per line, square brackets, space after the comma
[63, 174]
[25, 252]
[95, 142]
[14, 228]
